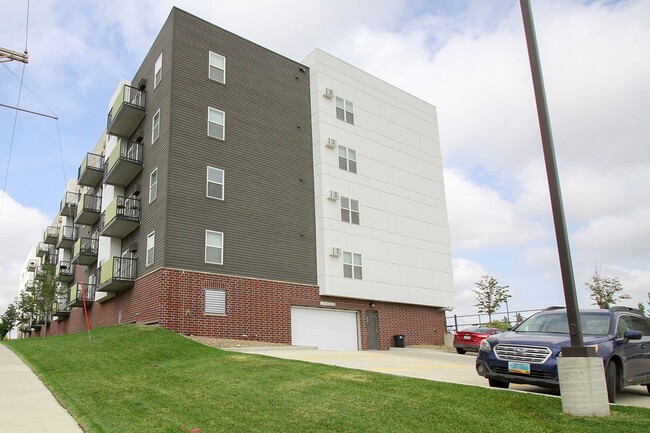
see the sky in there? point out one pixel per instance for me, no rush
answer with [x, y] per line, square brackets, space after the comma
[468, 58]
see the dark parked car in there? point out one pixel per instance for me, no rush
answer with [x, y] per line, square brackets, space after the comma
[469, 339]
[528, 354]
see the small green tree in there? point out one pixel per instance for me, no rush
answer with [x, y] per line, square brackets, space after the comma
[641, 308]
[8, 320]
[489, 295]
[47, 292]
[605, 291]
[519, 318]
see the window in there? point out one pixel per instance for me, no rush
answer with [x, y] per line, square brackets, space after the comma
[347, 159]
[344, 110]
[216, 123]
[153, 185]
[215, 183]
[352, 265]
[349, 210]
[217, 69]
[214, 247]
[151, 241]
[157, 75]
[155, 127]
[215, 301]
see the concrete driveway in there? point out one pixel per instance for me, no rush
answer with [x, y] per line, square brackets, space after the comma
[437, 365]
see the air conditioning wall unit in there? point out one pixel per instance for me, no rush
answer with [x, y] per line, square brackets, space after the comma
[332, 195]
[329, 93]
[335, 251]
[331, 142]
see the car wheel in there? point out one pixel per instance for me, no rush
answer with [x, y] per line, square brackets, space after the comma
[611, 378]
[461, 351]
[498, 384]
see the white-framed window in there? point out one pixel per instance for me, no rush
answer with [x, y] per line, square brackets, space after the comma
[349, 210]
[344, 110]
[155, 127]
[215, 301]
[215, 181]
[151, 243]
[153, 185]
[157, 74]
[352, 265]
[216, 123]
[214, 247]
[217, 69]
[347, 159]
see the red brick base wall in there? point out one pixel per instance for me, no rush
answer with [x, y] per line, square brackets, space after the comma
[255, 310]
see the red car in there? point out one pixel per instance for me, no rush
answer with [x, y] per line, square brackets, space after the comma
[470, 338]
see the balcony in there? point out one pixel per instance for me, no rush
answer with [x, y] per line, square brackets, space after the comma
[31, 265]
[88, 209]
[69, 204]
[39, 273]
[91, 170]
[85, 251]
[124, 163]
[67, 237]
[117, 274]
[50, 235]
[121, 217]
[53, 258]
[64, 271]
[30, 286]
[44, 250]
[127, 112]
[61, 310]
[76, 300]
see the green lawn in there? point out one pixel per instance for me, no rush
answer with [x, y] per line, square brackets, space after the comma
[145, 379]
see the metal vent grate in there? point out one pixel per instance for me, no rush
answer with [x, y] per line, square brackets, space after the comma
[215, 301]
[530, 354]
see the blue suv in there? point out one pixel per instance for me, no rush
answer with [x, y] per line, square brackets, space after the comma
[528, 353]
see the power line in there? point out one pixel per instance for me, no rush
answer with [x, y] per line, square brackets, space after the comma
[11, 143]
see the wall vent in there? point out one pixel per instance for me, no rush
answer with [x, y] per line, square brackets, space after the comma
[329, 93]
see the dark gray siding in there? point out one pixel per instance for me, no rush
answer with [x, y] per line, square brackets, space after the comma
[267, 216]
[155, 155]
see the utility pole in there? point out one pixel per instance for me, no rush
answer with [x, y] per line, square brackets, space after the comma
[7, 55]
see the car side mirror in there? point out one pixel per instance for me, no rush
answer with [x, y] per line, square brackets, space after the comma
[632, 335]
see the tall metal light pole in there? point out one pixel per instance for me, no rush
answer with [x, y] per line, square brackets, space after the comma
[580, 372]
[561, 236]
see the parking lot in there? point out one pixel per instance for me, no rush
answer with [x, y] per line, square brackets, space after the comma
[437, 365]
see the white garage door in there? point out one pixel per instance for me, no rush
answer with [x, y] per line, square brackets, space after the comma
[324, 328]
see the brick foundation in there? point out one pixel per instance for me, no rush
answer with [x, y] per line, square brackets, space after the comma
[255, 309]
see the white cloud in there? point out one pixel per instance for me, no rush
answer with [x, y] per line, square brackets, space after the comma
[479, 217]
[467, 58]
[20, 230]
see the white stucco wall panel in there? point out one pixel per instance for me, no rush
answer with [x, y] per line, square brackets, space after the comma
[403, 235]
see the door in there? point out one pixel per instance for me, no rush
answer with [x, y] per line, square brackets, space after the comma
[371, 330]
[325, 328]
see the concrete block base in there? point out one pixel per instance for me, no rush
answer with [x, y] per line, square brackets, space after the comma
[582, 386]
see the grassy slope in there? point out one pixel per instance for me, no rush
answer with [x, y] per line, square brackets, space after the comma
[144, 379]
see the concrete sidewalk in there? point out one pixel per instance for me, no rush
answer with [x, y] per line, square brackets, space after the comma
[27, 405]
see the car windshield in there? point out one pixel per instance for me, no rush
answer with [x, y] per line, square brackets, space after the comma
[557, 323]
[477, 330]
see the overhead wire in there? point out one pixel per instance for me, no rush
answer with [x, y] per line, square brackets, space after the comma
[54, 116]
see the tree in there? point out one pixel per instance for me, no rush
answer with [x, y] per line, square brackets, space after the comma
[8, 320]
[489, 295]
[605, 291]
[641, 308]
[47, 292]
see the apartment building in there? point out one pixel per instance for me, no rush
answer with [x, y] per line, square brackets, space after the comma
[236, 193]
